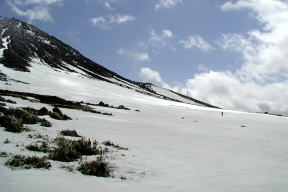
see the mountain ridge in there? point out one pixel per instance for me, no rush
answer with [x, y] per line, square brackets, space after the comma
[21, 42]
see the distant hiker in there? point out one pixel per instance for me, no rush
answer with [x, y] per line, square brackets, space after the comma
[222, 113]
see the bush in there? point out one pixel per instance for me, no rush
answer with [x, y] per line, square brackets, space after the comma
[111, 144]
[11, 124]
[71, 133]
[13, 119]
[98, 168]
[59, 116]
[45, 123]
[69, 168]
[3, 154]
[2, 109]
[44, 147]
[52, 100]
[122, 107]
[64, 151]
[29, 115]
[102, 104]
[28, 162]
[30, 110]
[86, 147]
[26, 117]
[69, 150]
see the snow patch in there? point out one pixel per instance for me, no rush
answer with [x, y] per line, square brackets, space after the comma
[3, 31]
[46, 42]
[30, 32]
[168, 93]
[5, 40]
[19, 25]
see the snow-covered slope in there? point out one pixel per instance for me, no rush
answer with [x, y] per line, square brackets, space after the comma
[24, 47]
[172, 146]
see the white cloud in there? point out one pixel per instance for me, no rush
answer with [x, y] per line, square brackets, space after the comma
[202, 67]
[34, 2]
[151, 76]
[135, 55]
[156, 41]
[154, 37]
[261, 83]
[98, 20]
[48, 2]
[226, 90]
[166, 4]
[167, 33]
[33, 9]
[107, 5]
[106, 22]
[265, 51]
[197, 42]
[121, 18]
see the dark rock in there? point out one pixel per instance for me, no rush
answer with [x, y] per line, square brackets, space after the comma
[102, 104]
[57, 110]
[43, 111]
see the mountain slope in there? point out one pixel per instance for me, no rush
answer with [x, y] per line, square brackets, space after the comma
[172, 146]
[23, 46]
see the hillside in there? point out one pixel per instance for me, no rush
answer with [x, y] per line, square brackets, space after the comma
[158, 140]
[27, 49]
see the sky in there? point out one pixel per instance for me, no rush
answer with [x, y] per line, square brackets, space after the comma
[233, 54]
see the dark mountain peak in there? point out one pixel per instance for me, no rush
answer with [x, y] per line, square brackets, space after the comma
[27, 42]
[22, 43]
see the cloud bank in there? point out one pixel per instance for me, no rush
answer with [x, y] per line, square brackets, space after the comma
[33, 9]
[139, 56]
[197, 42]
[261, 83]
[106, 22]
[167, 4]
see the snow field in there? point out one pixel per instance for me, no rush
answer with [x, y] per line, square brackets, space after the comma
[172, 146]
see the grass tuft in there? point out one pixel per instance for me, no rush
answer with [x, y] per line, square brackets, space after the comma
[45, 123]
[67, 150]
[71, 133]
[69, 168]
[28, 162]
[3, 154]
[14, 118]
[111, 144]
[44, 147]
[98, 168]
[11, 123]
[54, 101]
[26, 117]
